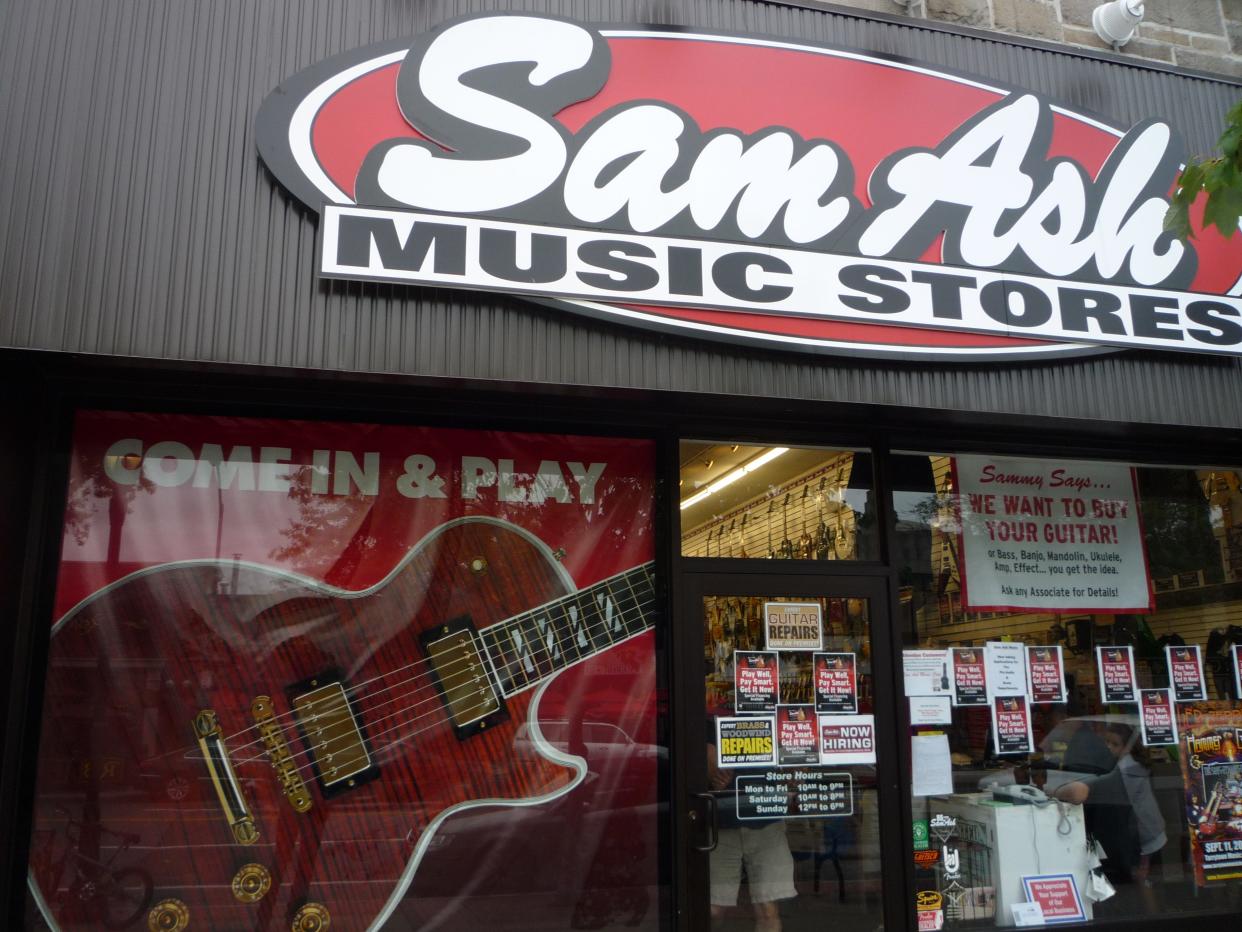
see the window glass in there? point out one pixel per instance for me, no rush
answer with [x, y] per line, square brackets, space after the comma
[797, 836]
[1071, 671]
[786, 503]
[305, 674]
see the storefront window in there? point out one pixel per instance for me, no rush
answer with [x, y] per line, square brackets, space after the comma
[781, 503]
[309, 674]
[1071, 672]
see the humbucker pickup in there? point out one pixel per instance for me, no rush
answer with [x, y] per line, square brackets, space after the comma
[334, 734]
[462, 678]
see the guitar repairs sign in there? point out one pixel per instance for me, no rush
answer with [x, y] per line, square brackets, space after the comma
[793, 626]
[1053, 536]
[666, 178]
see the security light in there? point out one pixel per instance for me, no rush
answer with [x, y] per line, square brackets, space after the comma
[1116, 21]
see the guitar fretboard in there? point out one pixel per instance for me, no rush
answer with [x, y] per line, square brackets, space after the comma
[528, 648]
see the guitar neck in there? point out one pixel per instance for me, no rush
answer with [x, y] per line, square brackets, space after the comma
[528, 648]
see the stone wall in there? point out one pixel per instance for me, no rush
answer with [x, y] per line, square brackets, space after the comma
[1202, 34]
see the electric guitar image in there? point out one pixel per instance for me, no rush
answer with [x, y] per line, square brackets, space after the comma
[282, 753]
[1208, 824]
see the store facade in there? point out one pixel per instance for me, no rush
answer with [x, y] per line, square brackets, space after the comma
[664, 468]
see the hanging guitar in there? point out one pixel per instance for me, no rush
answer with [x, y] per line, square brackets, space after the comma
[787, 551]
[806, 546]
[312, 741]
[771, 550]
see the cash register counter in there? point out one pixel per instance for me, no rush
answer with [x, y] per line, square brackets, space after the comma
[1013, 840]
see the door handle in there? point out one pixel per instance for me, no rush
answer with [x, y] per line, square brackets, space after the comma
[713, 835]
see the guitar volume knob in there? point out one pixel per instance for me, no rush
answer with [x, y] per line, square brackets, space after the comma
[312, 917]
[169, 915]
[251, 883]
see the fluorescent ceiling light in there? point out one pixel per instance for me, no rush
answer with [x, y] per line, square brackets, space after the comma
[733, 475]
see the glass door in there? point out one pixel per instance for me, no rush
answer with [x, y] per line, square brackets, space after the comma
[782, 753]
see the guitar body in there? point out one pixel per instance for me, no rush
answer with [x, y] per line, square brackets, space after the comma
[130, 669]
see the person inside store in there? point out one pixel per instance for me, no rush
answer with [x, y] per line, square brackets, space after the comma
[1119, 806]
[757, 847]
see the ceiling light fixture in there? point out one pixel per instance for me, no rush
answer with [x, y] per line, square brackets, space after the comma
[733, 475]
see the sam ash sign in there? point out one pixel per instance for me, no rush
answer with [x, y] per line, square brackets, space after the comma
[670, 179]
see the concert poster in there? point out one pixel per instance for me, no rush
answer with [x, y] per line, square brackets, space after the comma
[796, 740]
[836, 684]
[970, 685]
[1156, 715]
[1186, 673]
[1011, 725]
[1115, 666]
[1045, 674]
[1210, 734]
[756, 682]
[484, 599]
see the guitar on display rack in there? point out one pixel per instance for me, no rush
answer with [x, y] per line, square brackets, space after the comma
[787, 545]
[315, 738]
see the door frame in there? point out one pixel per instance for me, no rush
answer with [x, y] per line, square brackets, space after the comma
[700, 578]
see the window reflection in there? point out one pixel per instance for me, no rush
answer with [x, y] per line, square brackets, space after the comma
[1094, 797]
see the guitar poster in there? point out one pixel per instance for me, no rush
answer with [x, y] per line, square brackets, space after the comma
[1045, 674]
[969, 676]
[756, 682]
[1115, 666]
[796, 741]
[1159, 724]
[1186, 672]
[470, 611]
[836, 684]
[1210, 735]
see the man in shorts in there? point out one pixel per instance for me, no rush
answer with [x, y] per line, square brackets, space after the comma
[756, 846]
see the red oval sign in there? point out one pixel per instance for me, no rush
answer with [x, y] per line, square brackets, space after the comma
[748, 189]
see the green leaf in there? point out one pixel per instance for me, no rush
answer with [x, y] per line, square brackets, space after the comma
[1219, 177]
[1177, 221]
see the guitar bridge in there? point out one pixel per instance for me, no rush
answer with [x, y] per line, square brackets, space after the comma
[220, 769]
[339, 752]
[291, 782]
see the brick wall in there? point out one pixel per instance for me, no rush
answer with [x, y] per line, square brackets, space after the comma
[1202, 34]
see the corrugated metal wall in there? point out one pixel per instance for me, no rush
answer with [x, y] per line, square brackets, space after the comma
[137, 220]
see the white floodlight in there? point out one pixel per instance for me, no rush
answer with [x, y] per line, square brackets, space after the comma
[1116, 21]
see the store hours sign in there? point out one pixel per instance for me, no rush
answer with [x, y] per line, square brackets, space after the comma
[1049, 535]
[669, 179]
